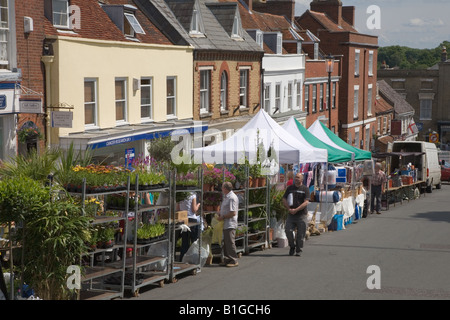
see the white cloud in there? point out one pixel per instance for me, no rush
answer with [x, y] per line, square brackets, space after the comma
[419, 22]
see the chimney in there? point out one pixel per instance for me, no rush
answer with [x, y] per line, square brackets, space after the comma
[444, 54]
[348, 14]
[332, 8]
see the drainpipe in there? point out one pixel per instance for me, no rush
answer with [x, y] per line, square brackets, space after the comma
[48, 60]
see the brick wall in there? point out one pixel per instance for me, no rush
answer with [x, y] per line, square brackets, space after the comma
[29, 52]
[231, 67]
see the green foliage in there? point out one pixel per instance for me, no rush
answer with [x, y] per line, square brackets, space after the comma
[53, 239]
[21, 198]
[161, 148]
[410, 58]
[276, 204]
[33, 165]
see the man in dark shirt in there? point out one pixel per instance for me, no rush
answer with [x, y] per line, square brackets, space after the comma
[296, 199]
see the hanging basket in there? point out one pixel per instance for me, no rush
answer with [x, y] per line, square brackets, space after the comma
[29, 134]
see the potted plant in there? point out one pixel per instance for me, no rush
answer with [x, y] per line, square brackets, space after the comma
[106, 237]
[29, 134]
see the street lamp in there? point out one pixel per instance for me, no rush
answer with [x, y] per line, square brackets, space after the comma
[329, 64]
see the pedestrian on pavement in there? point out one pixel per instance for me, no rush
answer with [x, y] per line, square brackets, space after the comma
[377, 186]
[229, 215]
[190, 205]
[296, 199]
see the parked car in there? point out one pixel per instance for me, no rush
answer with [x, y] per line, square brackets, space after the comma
[445, 172]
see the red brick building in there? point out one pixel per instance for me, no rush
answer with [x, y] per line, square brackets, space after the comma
[29, 52]
[334, 25]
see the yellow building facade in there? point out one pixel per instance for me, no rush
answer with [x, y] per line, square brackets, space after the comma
[77, 60]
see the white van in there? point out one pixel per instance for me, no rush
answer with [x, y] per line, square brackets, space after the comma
[427, 164]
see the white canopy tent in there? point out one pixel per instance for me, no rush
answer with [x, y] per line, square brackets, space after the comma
[261, 129]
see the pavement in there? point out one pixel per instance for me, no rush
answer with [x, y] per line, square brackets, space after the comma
[401, 254]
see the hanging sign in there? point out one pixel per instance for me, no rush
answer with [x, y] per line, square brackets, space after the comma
[62, 119]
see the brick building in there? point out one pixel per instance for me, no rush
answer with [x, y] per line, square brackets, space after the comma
[426, 91]
[226, 62]
[333, 24]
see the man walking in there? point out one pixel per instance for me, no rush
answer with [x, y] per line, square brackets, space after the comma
[229, 215]
[378, 181]
[296, 199]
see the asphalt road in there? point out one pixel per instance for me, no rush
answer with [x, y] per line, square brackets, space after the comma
[409, 245]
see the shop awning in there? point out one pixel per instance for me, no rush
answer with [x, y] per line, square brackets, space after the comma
[96, 139]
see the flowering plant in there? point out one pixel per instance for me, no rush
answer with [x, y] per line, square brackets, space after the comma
[29, 133]
[212, 198]
[211, 175]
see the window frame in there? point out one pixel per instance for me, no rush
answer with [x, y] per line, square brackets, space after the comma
[150, 104]
[133, 24]
[298, 94]
[243, 90]
[125, 99]
[290, 96]
[426, 109]
[267, 100]
[6, 42]
[94, 124]
[173, 97]
[321, 97]
[357, 61]
[205, 92]
[307, 98]
[369, 99]
[67, 14]
[355, 102]
[224, 91]
[371, 56]
[314, 99]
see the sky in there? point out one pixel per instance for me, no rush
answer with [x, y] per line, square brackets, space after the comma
[412, 23]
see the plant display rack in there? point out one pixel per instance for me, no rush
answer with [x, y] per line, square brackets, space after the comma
[256, 237]
[93, 284]
[176, 267]
[144, 269]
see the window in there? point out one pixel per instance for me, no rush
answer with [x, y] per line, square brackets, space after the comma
[279, 44]
[243, 87]
[307, 98]
[146, 98]
[426, 109]
[327, 96]
[195, 23]
[350, 142]
[277, 96]
[321, 97]
[236, 31]
[385, 125]
[223, 91]
[314, 97]
[356, 102]
[299, 94]
[398, 84]
[357, 53]
[289, 95]
[131, 25]
[426, 84]
[357, 139]
[267, 105]
[60, 13]
[259, 38]
[205, 92]
[90, 102]
[369, 100]
[370, 63]
[171, 90]
[121, 100]
[4, 32]
[333, 101]
[367, 138]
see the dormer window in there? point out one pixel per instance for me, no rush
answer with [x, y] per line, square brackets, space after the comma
[196, 27]
[236, 31]
[259, 38]
[60, 13]
[131, 25]
[279, 43]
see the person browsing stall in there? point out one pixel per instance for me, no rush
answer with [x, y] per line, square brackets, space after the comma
[296, 200]
[229, 215]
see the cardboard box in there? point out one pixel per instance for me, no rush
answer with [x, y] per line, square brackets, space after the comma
[179, 216]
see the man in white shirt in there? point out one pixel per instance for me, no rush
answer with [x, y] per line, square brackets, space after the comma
[229, 215]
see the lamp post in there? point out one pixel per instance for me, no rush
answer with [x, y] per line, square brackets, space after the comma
[329, 64]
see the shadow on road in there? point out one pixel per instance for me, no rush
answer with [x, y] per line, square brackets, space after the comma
[436, 216]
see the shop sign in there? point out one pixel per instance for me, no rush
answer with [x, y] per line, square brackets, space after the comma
[30, 106]
[3, 102]
[62, 119]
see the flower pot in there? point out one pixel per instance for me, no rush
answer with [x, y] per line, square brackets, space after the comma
[262, 182]
[255, 183]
